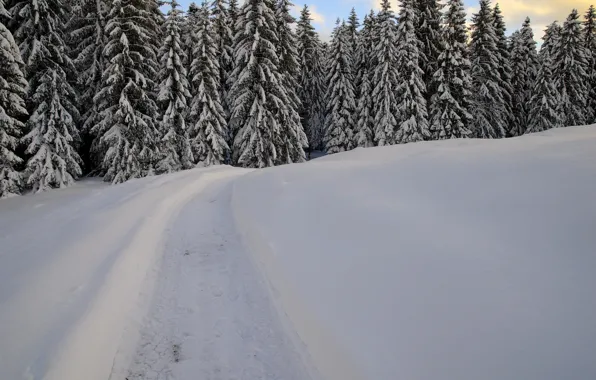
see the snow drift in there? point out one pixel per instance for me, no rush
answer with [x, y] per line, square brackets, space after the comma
[462, 259]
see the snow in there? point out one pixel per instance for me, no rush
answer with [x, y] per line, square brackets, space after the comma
[458, 259]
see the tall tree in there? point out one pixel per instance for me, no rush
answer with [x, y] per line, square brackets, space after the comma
[341, 103]
[207, 122]
[489, 106]
[571, 72]
[88, 39]
[430, 35]
[450, 105]
[128, 111]
[411, 102]
[353, 34]
[222, 34]
[292, 135]
[544, 104]
[524, 63]
[386, 77]
[173, 97]
[311, 80]
[503, 57]
[260, 100]
[366, 62]
[53, 162]
[590, 46]
[13, 89]
[189, 33]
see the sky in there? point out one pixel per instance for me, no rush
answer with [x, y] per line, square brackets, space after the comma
[541, 12]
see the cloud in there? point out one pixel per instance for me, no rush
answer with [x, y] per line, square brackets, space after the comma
[317, 18]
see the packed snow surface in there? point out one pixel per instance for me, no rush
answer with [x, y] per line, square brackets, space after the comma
[463, 259]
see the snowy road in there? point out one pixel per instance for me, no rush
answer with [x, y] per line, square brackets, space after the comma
[67, 295]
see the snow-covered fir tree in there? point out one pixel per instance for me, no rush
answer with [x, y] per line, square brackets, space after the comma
[352, 29]
[410, 95]
[13, 89]
[188, 33]
[223, 37]
[450, 105]
[128, 126]
[430, 34]
[365, 62]
[206, 121]
[87, 34]
[524, 64]
[52, 132]
[261, 103]
[386, 77]
[293, 139]
[544, 104]
[340, 97]
[590, 45]
[503, 56]
[571, 72]
[489, 109]
[173, 97]
[311, 80]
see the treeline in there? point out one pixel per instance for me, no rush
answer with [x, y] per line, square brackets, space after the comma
[117, 89]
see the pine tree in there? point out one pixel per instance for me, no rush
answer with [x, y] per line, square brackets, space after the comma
[366, 62]
[590, 46]
[207, 122]
[489, 108]
[233, 16]
[173, 97]
[339, 120]
[430, 35]
[128, 112]
[311, 80]
[260, 100]
[223, 37]
[524, 63]
[505, 75]
[450, 105]
[386, 77]
[545, 95]
[53, 162]
[13, 89]
[352, 30]
[293, 138]
[87, 32]
[571, 72]
[189, 33]
[411, 102]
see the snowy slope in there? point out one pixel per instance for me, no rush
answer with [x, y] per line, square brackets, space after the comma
[462, 259]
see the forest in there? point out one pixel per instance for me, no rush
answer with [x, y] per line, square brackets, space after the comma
[118, 89]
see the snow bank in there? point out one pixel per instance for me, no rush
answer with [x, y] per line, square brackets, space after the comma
[463, 259]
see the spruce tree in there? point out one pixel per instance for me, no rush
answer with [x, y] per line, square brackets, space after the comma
[128, 129]
[366, 62]
[386, 77]
[489, 108]
[173, 97]
[189, 33]
[261, 103]
[353, 34]
[430, 35]
[311, 81]
[54, 161]
[450, 105]
[571, 72]
[207, 122]
[13, 89]
[503, 57]
[544, 104]
[524, 64]
[590, 46]
[87, 32]
[411, 103]
[339, 120]
[293, 138]
[222, 34]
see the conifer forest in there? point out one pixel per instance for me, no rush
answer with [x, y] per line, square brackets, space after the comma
[120, 90]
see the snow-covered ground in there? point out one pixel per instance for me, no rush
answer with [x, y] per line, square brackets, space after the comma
[463, 259]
